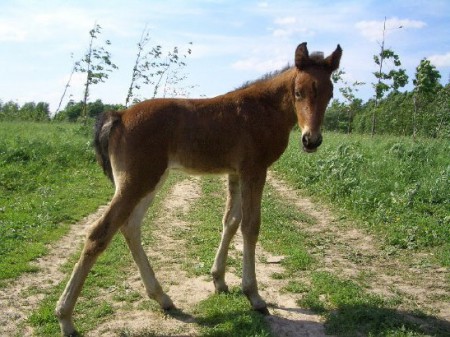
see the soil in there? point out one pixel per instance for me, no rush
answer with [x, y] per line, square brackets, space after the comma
[344, 250]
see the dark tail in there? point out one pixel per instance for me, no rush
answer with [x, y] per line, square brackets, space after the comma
[105, 124]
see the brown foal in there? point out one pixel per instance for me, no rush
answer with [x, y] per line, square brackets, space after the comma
[239, 134]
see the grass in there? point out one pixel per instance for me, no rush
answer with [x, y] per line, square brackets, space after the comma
[48, 180]
[229, 315]
[349, 308]
[351, 311]
[108, 276]
[280, 234]
[399, 188]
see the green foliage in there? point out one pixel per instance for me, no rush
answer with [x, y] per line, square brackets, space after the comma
[30, 111]
[400, 188]
[426, 81]
[73, 111]
[394, 79]
[48, 178]
[395, 115]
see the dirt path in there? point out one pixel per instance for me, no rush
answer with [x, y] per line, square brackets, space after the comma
[352, 253]
[24, 294]
[287, 319]
[345, 251]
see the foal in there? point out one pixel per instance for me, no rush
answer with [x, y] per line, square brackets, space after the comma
[239, 134]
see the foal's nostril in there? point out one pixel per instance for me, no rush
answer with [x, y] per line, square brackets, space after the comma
[319, 141]
[305, 140]
[311, 143]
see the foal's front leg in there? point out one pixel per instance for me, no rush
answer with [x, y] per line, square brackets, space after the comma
[252, 188]
[231, 221]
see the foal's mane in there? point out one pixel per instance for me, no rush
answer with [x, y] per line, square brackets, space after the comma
[315, 58]
[264, 78]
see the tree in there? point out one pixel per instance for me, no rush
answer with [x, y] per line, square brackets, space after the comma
[163, 71]
[427, 77]
[96, 63]
[394, 79]
[426, 85]
[74, 69]
[136, 74]
[10, 111]
[348, 91]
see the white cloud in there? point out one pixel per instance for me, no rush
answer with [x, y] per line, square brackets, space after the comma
[289, 26]
[30, 24]
[442, 60]
[12, 31]
[259, 65]
[288, 20]
[373, 30]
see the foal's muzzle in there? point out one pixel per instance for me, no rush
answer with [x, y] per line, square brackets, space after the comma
[311, 142]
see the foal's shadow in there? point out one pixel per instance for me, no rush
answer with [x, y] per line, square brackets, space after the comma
[282, 326]
[365, 320]
[278, 326]
[180, 315]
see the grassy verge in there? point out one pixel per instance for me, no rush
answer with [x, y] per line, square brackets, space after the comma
[280, 234]
[399, 188]
[48, 179]
[108, 276]
[349, 309]
[231, 315]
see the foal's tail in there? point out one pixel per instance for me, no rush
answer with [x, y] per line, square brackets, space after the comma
[105, 124]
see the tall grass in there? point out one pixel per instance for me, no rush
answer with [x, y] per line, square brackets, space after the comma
[398, 187]
[48, 179]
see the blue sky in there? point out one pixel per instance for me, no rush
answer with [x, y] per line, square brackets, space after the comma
[233, 41]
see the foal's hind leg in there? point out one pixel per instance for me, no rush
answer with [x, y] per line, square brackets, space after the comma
[97, 240]
[231, 220]
[132, 233]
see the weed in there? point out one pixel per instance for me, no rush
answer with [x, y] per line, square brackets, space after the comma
[400, 188]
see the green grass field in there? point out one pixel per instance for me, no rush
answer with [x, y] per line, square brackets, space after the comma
[48, 180]
[394, 188]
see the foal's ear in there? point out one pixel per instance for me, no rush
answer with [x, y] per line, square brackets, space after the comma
[302, 60]
[333, 60]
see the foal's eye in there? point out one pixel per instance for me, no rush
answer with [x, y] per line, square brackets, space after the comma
[298, 95]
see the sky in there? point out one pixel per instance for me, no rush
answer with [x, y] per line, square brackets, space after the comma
[232, 41]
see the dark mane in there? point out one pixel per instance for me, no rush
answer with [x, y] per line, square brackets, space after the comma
[264, 77]
[316, 57]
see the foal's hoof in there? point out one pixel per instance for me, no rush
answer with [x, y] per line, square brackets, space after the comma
[167, 304]
[73, 334]
[263, 311]
[220, 287]
[169, 307]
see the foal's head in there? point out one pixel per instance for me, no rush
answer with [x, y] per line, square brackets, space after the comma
[313, 90]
